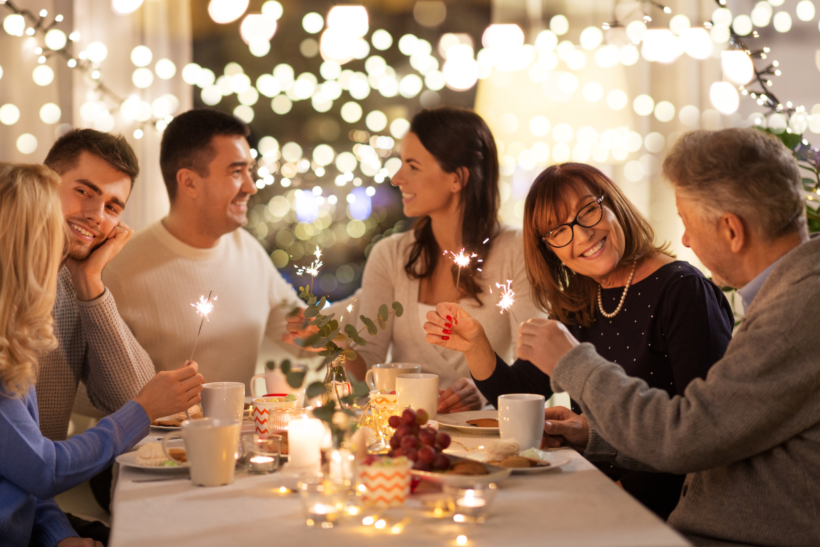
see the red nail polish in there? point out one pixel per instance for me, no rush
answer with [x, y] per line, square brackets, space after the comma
[445, 331]
[449, 318]
[456, 321]
[445, 337]
[448, 325]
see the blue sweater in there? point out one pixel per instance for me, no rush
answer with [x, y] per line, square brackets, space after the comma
[34, 469]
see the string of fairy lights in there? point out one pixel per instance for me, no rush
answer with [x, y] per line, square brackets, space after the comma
[353, 67]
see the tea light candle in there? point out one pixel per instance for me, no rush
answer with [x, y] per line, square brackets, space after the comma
[305, 441]
[470, 501]
[261, 464]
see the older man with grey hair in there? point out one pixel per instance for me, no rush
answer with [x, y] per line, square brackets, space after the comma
[749, 434]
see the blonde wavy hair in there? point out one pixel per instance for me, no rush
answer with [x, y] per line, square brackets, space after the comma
[32, 240]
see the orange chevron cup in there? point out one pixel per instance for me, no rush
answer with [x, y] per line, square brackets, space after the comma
[386, 481]
[265, 408]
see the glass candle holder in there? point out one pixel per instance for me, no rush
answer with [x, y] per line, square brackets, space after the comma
[262, 453]
[323, 504]
[471, 504]
[279, 418]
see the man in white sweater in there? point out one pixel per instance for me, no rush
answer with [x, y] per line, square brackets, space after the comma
[198, 248]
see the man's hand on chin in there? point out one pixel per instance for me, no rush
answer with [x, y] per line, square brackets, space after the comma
[86, 275]
[543, 342]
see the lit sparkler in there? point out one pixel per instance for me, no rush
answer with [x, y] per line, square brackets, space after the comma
[313, 269]
[461, 259]
[507, 298]
[203, 308]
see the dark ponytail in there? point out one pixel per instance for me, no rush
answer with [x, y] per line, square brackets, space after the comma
[459, 138]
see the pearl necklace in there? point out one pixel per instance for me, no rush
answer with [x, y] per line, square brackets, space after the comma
[623, 296]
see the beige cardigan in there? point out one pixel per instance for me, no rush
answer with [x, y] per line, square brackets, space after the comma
[384, 280]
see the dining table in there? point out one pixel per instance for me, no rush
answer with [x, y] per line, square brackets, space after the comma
[575, 504]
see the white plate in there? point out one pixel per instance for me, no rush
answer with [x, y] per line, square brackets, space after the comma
[555, 459]
[166, 427]
[458, 420]
[496, 474]
[129, 459]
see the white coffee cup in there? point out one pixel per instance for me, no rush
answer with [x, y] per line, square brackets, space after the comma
[521, 417]
[382, 377]
[418, 391]
[210, 447]
[223, 400]
[276, 382]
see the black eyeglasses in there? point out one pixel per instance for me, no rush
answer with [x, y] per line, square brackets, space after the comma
[587, 217]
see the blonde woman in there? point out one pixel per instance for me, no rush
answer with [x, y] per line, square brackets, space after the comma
[32, 468]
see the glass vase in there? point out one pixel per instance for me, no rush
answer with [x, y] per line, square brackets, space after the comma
[337, 386]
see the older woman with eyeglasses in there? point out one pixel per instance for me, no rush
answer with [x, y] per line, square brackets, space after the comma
[593, 265]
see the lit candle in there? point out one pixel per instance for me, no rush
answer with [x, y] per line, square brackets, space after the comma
[261, 464]
[305, 441]
[469, 500]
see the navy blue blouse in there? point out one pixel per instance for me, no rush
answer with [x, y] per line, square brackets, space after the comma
[674, 325]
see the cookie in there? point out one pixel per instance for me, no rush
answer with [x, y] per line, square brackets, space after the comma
[178, 455]
[468, 468]
[515, 462]
[483, 422]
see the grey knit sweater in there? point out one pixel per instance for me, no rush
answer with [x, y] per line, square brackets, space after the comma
[95, 347]
[748, 435]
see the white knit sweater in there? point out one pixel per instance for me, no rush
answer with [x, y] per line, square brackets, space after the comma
[384, 280]
[157, 277]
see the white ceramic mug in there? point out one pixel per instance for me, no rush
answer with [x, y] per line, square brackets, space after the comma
[276, 382]
[521, 417]
[418, 391]
[210, 446]
[223, 400]
[382, 377]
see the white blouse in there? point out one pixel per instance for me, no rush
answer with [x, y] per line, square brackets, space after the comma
[384, 280]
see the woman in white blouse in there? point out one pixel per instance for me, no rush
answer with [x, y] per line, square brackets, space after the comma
[449, 181]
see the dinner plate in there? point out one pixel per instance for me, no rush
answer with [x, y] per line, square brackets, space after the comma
[555, 459]
[166, 427]
[496, 474]
[458, 420]
[129, 459]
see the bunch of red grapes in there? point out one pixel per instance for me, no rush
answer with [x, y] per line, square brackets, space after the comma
[421, 445]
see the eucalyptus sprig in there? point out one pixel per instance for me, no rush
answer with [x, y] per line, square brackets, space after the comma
[335, 341]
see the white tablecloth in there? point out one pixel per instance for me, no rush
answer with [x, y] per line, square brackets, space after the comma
[573, 505]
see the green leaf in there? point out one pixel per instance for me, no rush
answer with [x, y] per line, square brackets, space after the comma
[371, 328]
[294, 312]
[311, 311]
[333, 324]
[285, 367]
[340, 338]
[312, 301]
[296, 379]
[322, 303]
[350, 355]
[270, 365]
[348, 411]
[350, 330]
[382, 323]
[398, 308]
[325, 413]
[314, 390]
[360, 389]
[309, 341]
[383, 312]
[349, 399]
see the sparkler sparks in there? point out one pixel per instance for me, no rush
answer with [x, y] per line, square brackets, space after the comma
[204, 307]
[507, 298]
[313, 269]
[461, 259]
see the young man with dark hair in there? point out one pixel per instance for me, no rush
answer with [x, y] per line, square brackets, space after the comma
[97, 172]
[208, 170]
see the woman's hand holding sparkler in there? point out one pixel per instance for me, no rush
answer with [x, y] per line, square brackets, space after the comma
[171, 391]
[452, 328]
